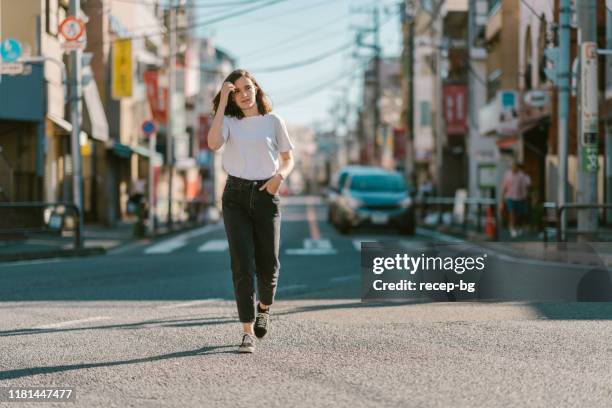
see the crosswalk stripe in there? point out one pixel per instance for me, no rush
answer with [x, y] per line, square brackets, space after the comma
[165, 247]
[313, 247]
[214, 245]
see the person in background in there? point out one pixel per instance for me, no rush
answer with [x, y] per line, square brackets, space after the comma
[515, 188]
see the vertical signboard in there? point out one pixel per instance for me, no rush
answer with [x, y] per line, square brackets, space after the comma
[122, 68]
[455, 109]
[158, 101]
[590, 106]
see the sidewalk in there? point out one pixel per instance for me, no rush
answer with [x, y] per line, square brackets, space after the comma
[97, 239]
[530, 246]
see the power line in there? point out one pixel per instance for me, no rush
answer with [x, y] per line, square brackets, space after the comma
[223, 17]
[530, 8]
[192, 6]
[290, 43]
[320, 87]
[302, 63]
[293, 10]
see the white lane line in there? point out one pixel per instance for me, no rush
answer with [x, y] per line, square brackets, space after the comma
[33, 262]
[192, 303]
[357, 242]
[72, 323]
[344, 278]
[166, 247]
[214, 245]
[287, 288]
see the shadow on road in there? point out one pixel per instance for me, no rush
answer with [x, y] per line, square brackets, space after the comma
[26, 372]
[139, 325]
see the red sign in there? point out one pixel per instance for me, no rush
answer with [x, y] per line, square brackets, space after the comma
[455, 109]
[158, 103]
[203, 128]
[399, 144]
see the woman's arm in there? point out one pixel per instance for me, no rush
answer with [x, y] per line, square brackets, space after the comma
[215, 134]
[286, 166]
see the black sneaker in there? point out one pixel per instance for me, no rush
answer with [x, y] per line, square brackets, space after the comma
[262, 321]
[248, 344]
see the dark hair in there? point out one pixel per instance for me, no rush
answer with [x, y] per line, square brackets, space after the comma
[232, 109]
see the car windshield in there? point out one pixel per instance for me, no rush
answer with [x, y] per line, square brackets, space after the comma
[377, 182]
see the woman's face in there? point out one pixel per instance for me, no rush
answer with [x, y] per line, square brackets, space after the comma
[245, 92]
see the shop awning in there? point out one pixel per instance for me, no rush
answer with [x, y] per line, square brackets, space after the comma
[95, 110]
[144, 152]
[122, 150]
[65, 126]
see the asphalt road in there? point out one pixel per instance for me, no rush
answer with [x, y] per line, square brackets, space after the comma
[155, 325]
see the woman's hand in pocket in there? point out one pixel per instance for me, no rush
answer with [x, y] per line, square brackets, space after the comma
[272, 185]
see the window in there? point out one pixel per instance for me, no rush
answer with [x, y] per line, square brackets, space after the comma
[371, 182]
[425, 113]
[52, 23]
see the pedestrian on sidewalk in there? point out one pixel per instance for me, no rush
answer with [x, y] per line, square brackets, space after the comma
[515, 188]
[257, 158]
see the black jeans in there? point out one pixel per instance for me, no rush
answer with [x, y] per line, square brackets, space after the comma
[252, 225]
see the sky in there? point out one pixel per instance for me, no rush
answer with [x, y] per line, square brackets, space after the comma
[293, 31]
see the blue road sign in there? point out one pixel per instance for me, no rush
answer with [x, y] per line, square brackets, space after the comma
[148, 127]
[10, 49]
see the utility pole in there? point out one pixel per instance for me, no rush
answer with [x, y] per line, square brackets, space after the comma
[407, 13]
[171, 92]
[563, 82]
[439, 138]
[376, 82]
[608, 164]
[76, 114]
[588, 114]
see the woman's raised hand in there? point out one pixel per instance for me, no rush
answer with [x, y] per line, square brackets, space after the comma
[226, 90]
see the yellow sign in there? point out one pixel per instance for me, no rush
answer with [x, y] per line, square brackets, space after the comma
[122, 68]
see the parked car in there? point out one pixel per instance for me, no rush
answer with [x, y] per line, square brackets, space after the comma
[338, 181]
[375, 197]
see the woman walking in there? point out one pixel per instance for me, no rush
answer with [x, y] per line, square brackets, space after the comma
[257, 158]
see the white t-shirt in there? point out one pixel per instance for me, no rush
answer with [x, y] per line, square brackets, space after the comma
[253, 144]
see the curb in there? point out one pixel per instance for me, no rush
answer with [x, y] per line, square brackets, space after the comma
[57, 253]
[72, 253]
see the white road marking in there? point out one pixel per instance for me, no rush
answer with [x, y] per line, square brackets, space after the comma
[345, 278]
[166, 247]
[199, 231]
[180, 240]
[33, 262]
[214, 245]
[71, 323]
[192, 303]
[311, 246]
[92, 243]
